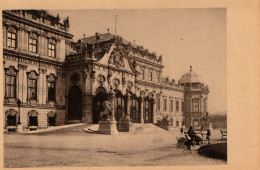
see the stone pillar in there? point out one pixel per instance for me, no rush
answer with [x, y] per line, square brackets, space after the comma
[44, 87]
[154, 110]
[142, 110]
[128, 104]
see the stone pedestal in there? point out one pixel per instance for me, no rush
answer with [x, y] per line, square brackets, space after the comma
[19, 128]
[107, 127]
[124, 126]
[207, 126]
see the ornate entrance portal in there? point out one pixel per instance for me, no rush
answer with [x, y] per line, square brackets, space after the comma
[75, 103]
[98, 101]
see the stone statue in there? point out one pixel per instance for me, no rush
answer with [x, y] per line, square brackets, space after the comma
[106, 112]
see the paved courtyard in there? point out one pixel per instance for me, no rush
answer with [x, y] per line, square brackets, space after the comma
[146, 145]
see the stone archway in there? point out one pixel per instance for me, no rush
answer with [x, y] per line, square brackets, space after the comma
[75, 103]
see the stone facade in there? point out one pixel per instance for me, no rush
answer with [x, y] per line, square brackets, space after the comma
[71, 80]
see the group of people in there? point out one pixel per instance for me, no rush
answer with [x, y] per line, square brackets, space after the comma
[193, 135]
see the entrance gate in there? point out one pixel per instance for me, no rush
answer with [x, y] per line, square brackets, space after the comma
[135, 109]
[120, 105]
[75, 103]
[148, 110]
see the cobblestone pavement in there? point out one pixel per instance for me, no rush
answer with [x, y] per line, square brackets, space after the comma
[145, 146]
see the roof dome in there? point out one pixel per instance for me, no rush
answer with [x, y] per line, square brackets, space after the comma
[189, 77]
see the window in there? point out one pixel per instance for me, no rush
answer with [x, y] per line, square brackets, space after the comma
[182, 106]
[177, 122]
[196, 105]
[33, 45]
[177, 106]
[171, 106]
[158, 103]
[10, 82]
[150, 76]
[51, 91]
[143, 74]
[164, 104]
[10, 86]
[11, 39]
[52, 48]
[32, 85]
[158, 77]
[51, 80]
[32, 89]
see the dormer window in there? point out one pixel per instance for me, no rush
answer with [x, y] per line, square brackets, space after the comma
[52, 48]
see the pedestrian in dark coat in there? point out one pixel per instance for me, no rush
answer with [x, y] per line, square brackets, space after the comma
[208, 136]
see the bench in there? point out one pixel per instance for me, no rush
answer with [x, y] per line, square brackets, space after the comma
[201, 134]
[223, 133]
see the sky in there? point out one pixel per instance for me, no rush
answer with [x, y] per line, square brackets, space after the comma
[183, 37]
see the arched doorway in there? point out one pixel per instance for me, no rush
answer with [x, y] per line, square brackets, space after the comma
[98, 101]
[148, 110]
[75, 103]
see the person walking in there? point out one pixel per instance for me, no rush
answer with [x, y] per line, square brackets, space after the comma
[181, 131]
[208, 136]
[191, 133]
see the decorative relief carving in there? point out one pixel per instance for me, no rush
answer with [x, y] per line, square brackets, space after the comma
[51, 114]
[117, 57]
[11, 112]
[74, 78]
[32, 74]
[22, 67]
[32, 113]
[11, 71]
[51, 78]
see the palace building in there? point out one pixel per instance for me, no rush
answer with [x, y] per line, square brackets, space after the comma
[58, 81]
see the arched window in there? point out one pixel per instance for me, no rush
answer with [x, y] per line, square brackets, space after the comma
[10, 82]
[195, 104]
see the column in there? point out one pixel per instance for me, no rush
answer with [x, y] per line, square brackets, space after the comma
[111, 100]
[128, 104]
[23, 83]
[154, 110]
[44, 90]
[142, 109]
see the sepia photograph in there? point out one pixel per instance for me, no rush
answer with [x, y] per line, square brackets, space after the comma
[114, 87]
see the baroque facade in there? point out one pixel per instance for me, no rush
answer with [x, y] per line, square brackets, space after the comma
[59, 81]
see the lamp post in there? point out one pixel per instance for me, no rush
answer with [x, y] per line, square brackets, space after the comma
[19, 125]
